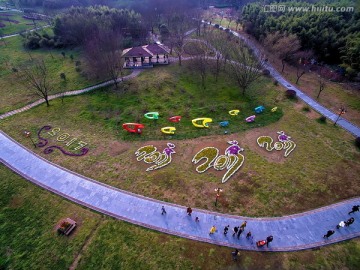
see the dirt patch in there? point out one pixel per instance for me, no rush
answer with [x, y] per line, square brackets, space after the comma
[117, 148]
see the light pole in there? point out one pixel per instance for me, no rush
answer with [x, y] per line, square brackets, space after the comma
[217, 190]
[342, 110]
[27, 134]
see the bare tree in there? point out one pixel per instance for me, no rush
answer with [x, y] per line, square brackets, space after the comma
[36, 77]
[179, 26]
[301, 66]
[103, 54]
[245, 68]
[283, 45]
[218, 40]
[200, 62]
[322, 83]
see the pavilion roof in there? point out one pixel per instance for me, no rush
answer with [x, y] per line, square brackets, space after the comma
[157, 49]
[145, 51]
[136, 52]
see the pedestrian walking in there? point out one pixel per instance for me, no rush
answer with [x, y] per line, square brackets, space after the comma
[189, 211]
[235, 230]
[226, 229]
[349, 222]
[163, 212]
[342, 224]
[197, 219]
[239, 232]
[329, 233]
[212, 230]
[269, 239]
[248, 235]
[235, 254]
[354, 209]
[243, 225]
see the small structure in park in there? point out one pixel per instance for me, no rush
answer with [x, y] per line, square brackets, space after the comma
[66, 226]
[259, 109]
[250, 119]
[146, 56]
[133, 127]
[168, 130]
[202, 122]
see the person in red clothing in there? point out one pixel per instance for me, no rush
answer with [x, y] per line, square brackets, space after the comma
[189, 211]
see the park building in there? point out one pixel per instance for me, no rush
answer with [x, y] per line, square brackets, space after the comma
[145, 56]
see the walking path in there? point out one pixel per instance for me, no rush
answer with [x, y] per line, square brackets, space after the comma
[353, 129]
[295, 232]
[31, 30]
[345, 124]
[134, 73]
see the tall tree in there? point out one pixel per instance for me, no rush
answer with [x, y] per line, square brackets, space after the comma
[36, 77]
[285, 46]
[103, 54]
[199, 62]
[180, 24]
[245, 68]
[218, 40]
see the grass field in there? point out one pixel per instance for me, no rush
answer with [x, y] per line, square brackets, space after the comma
[323, 169]
[15, 94]
[17, 23]
[318, 172]
[28, 216]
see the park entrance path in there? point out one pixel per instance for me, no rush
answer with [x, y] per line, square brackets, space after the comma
[295, 232]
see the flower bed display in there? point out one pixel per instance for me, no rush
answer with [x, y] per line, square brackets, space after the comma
[149, 155]
[232, 160]
[61, 137]
[284, 143]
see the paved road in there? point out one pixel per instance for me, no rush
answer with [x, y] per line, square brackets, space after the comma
[296, 232]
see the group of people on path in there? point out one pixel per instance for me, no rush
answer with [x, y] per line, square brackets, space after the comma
[342, 223]
[238, 230]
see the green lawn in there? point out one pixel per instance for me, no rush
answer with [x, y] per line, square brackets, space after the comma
[324, 163]
[28, 215]
[14, 94]
[20, 25]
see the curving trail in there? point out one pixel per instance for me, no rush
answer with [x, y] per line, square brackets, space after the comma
[135, 73]
[295, 232]
[345, 124]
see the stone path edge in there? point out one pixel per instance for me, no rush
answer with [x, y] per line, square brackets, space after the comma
[179, 234]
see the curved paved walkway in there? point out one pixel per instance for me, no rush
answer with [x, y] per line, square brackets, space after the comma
[134, 73]
[295, 232]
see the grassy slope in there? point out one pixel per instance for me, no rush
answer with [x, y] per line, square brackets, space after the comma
[28, 215]
[15, 94]
[324, 158]
[22, 25]
[334, 95]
